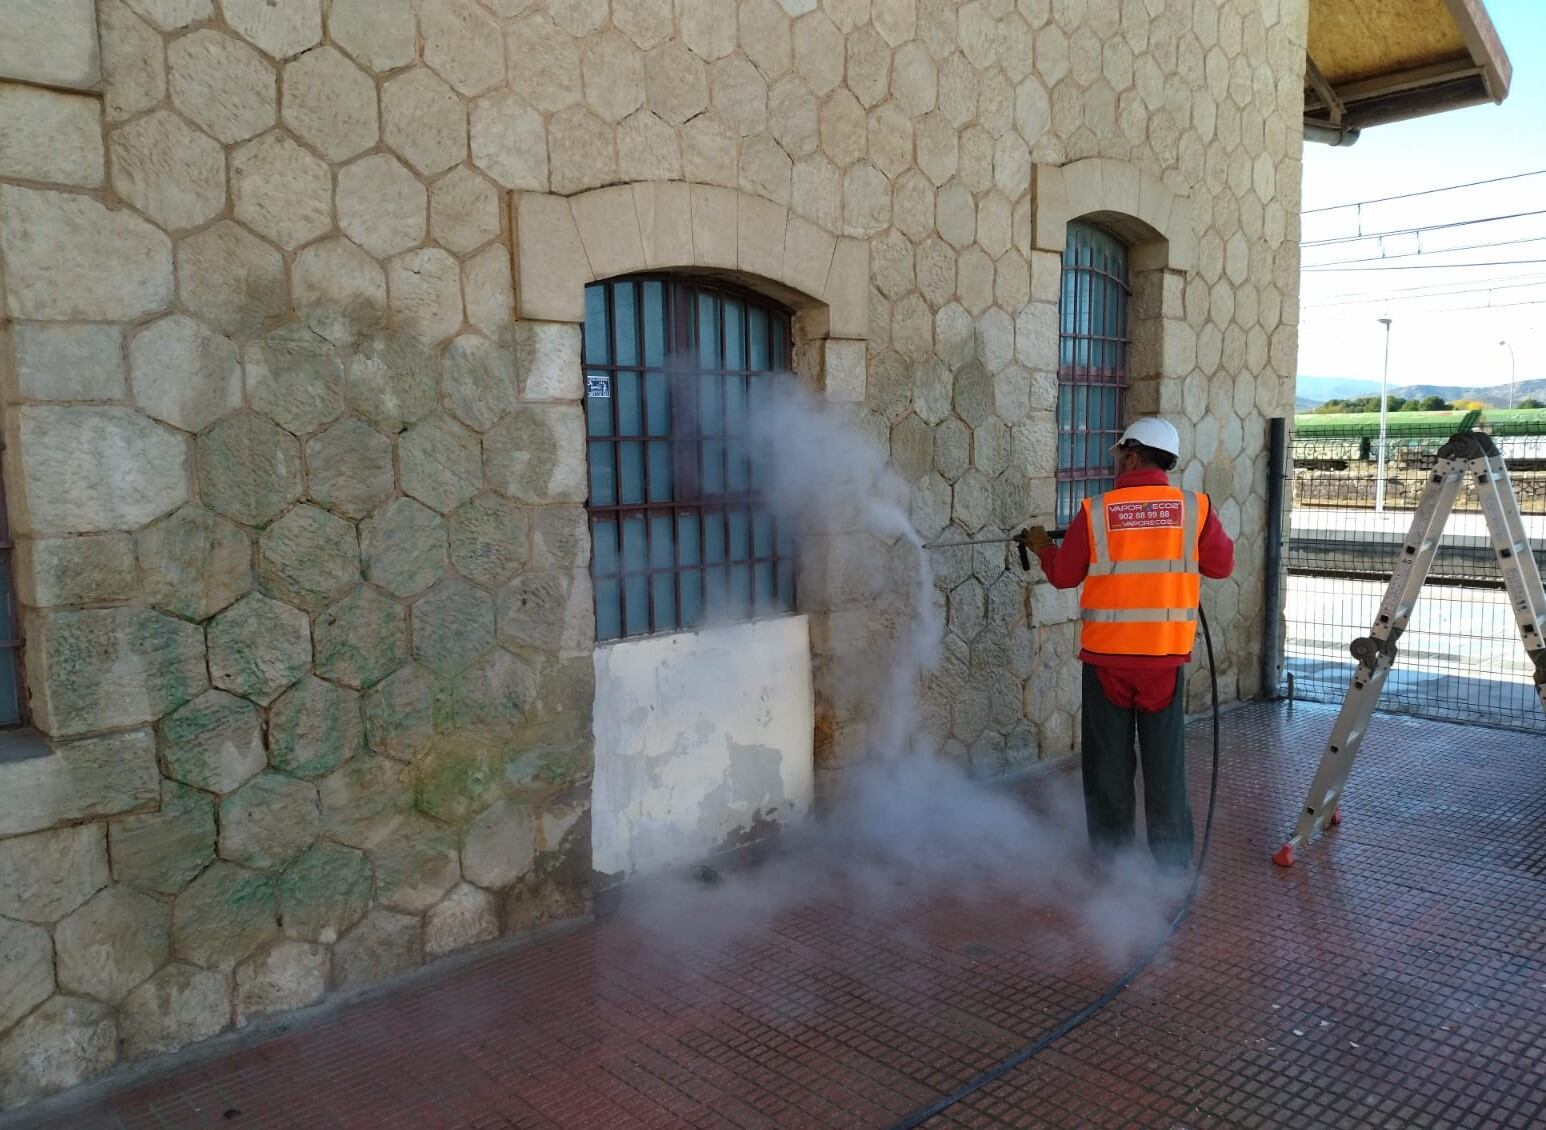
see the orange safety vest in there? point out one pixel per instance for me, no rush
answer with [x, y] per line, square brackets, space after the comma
[1140, 596]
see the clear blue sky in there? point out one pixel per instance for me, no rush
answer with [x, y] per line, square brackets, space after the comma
[1432, 341]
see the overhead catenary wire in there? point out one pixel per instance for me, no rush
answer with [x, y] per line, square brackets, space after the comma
[1421, 192]
[1330, 269]
[1512, 241]
[1419, 230]
[1411, 294]
[1426, 313]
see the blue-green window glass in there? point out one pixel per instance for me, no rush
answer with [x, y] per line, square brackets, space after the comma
[675, 371]
[13, 700]
[1092, 363]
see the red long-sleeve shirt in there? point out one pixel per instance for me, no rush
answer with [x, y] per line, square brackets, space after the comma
[1145, 681]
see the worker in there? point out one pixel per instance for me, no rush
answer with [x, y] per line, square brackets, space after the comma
[1138, 549]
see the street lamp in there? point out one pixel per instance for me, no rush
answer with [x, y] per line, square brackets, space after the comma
[1379, 482]
[1510, 349]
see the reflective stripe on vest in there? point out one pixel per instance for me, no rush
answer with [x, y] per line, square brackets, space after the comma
[1123, 613]
[1139, 615]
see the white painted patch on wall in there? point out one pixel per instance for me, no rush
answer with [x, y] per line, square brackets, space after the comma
[699, 737]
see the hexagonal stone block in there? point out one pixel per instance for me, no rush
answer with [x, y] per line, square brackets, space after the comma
[109, 668]
[214, 743]
[463, 211]
[232, 279]
[296, 378]
[111, 944]
[400, 712]
[179, 1006]
[462, 43]
[330, 103]
[291, 975]
[169, 170]
[479, 381]
[381, 34]
[63, 1043]
[26, 970]
[972, 504]
[501, 845]
[381, 205]
[258, 647]
[452, 625]
[424, 121]
[489, 539]
[404, 547]
[324, 892]
[335, 280]
[249, 469]
[381, 946]
[510, 142]
[550, 610]
[416, 865]
[46, 875]
[537, 454]
[362, 639]
[394, 382]
[425, 290]
[364, 801]
[440, 463]
[184, 373]
[313, 728]
[350, 468]
[281, 27]
[282, 191]
[309, 558]
[225, 915]
[491, 696]
[463, 918]
[269, 821]
[560, 537]
[165, 850]
[220, 83]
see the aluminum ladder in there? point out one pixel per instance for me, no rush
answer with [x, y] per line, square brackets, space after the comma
[1467, 456]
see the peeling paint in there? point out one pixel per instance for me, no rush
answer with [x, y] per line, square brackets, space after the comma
[702, 739]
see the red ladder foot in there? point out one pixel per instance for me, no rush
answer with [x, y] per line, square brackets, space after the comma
[1336, 816]
[1284, 856]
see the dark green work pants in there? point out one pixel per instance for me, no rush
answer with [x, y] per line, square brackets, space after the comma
[1106, 754]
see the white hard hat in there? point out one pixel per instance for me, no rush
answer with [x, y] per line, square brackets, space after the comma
[1153, 432]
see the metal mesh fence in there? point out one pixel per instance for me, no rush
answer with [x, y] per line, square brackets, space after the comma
[1461, 657]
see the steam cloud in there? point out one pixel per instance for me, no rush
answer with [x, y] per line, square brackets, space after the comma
[910, 826]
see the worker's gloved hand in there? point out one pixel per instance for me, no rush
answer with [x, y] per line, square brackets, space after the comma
[1037, 538]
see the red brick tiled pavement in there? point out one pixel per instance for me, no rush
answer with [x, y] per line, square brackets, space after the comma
[1395, 977]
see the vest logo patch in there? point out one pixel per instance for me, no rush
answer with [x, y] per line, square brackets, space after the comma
[1162, 515]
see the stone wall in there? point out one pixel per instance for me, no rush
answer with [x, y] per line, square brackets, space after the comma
[295, 450]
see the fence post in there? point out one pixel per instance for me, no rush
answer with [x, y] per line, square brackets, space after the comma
[1272, 573]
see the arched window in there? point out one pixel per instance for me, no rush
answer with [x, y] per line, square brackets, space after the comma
[675, 371]
[1092, 363]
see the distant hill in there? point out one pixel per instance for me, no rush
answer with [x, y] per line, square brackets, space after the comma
[1313, 391]
[1318, 390]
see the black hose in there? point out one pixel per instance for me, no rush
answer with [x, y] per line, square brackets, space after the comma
[1014, 1060]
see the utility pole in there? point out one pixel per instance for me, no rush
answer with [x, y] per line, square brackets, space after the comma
[1510, 349]
[1379, 481]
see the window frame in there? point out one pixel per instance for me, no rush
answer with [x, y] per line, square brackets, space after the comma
[1094, 339]
[704, 500]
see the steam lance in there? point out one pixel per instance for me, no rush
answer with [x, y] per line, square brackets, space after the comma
[1022, 541]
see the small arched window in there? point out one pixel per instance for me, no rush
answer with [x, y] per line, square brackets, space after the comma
[1092, 363]
[675, 372]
